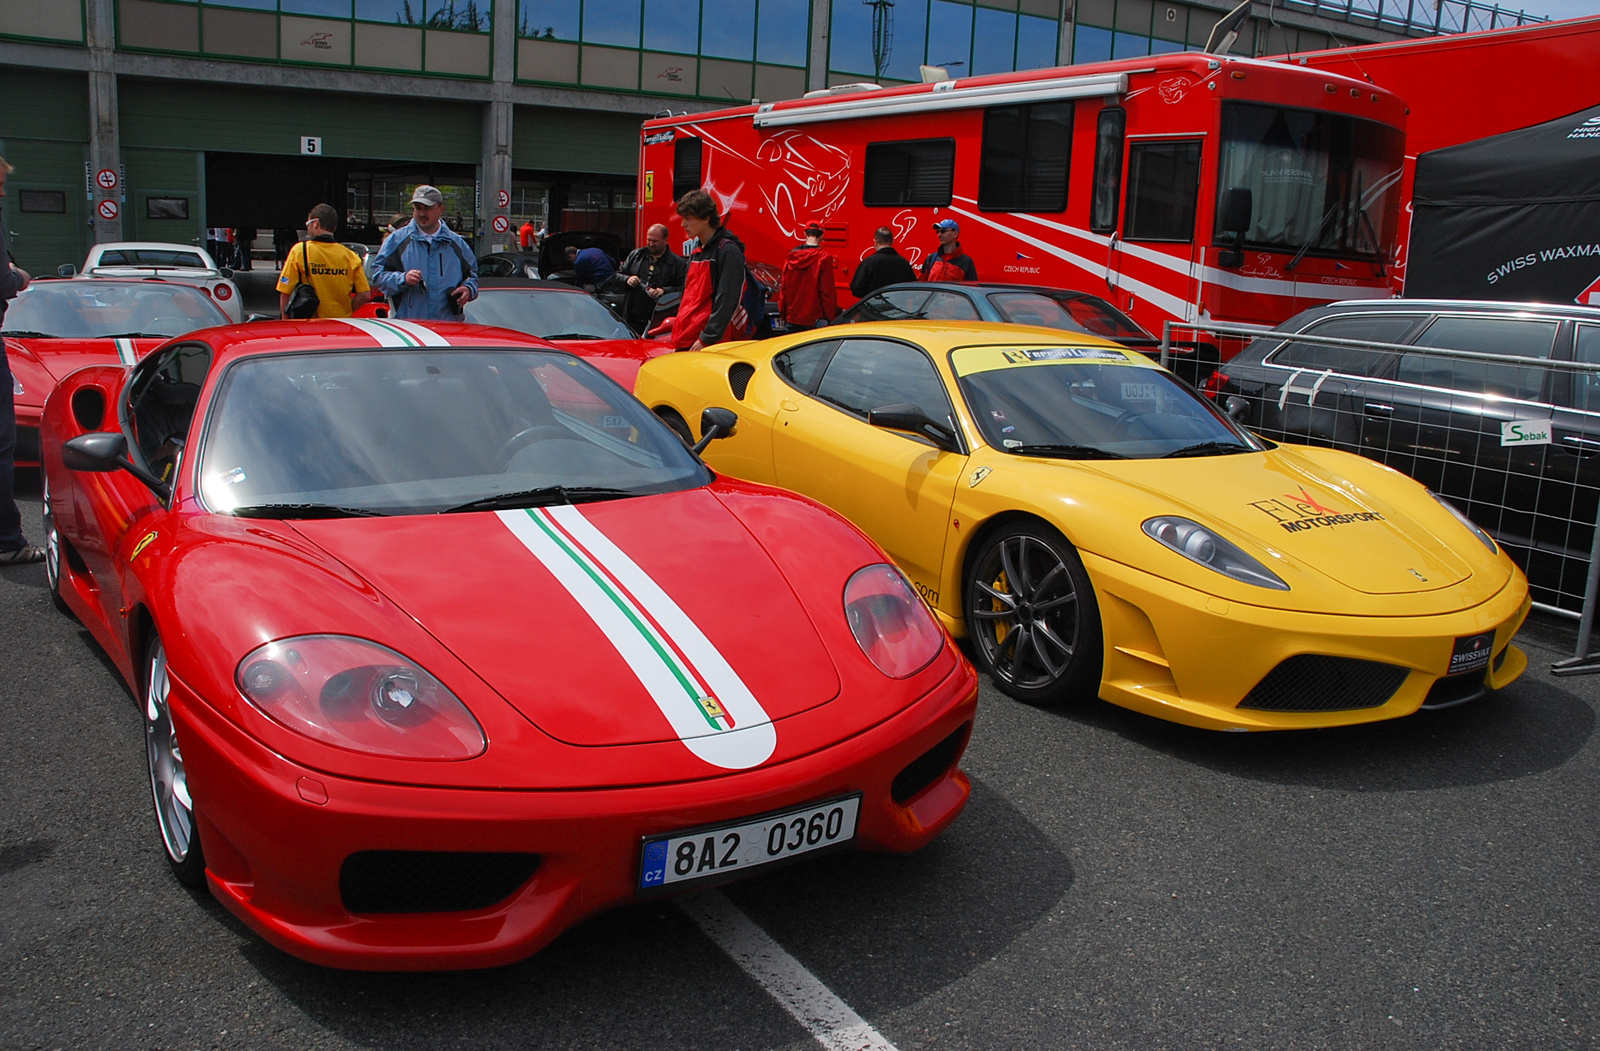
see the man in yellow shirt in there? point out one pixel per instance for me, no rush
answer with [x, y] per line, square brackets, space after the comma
[328, 266]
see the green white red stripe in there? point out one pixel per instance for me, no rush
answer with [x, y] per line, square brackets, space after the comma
[127, 352]
[708, 706]
[390, 332]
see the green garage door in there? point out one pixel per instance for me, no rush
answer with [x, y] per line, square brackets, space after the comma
[166, 200]
[46, 212]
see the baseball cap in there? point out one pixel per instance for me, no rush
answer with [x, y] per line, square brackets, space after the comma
[814, 230]
[428, 195]
[947, 224]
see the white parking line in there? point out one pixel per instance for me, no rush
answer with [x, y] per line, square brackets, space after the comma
[826, 1017]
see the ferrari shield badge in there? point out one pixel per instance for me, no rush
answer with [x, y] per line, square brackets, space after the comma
[977, 476]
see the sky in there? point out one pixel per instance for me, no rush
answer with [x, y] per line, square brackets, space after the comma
[1556, 8]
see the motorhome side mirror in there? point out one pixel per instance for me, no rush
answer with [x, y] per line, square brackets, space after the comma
[66, 270]
[716, 423]
[100, 451]
[905, 416]
[1233, 217]
[1234, 213]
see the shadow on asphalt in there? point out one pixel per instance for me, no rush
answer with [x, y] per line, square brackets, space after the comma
[881, 931]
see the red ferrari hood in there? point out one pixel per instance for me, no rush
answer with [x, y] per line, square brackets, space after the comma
[608, 623]
[62, 357]
[618, 358]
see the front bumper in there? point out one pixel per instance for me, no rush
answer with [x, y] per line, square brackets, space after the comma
[276, 835]
[1182, 655]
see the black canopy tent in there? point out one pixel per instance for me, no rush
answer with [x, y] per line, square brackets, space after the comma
[1510, 217]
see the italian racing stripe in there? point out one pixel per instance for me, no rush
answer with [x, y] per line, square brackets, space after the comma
[392, 333]
[708, 706]
[127, 352]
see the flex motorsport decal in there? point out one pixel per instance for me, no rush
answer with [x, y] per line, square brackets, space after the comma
[1295, 513]
[708, 706]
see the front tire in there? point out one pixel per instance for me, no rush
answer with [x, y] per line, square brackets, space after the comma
[52, 552]
[1032, 616]
[169, 786]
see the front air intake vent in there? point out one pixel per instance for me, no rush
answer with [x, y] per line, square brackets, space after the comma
[930, 766]
[1314, 683]
[389, 881]
[739, 374]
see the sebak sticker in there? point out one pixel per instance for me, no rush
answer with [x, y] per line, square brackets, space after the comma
[1525, 432]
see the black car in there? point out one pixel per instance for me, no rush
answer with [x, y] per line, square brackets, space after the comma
[1057, 308]
[1514, 445]
[509, 264]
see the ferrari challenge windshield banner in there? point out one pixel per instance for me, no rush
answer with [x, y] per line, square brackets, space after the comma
[968, 361]
[708, 706]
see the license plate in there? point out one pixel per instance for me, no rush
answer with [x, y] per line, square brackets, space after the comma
[1471, 653]
[721, 851]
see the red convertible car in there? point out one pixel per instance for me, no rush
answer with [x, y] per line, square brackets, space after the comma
[444, 641]
[56, 327]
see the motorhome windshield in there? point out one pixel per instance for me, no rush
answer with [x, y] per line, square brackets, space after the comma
[1320, 183]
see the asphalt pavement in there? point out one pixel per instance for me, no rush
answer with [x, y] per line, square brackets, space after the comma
[1117, 882]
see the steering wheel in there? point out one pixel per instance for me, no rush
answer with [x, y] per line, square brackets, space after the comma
[526, 437]
[1129, 422]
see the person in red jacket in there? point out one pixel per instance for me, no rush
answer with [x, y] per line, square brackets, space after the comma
[949, 263]
[807, 294]
[711, 310]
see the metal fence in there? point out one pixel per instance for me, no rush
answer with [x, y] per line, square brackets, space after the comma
[1512, 442]
[1419, 17]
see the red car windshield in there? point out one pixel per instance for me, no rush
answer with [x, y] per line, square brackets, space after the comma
[105, 309]
[420, 431]
[1070, 313]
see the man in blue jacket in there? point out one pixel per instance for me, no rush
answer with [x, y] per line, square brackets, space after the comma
[425, 268]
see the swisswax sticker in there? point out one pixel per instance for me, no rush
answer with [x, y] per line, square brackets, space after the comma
[708, 706]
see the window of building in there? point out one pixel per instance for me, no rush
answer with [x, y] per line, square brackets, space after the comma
[1091, 44]
[783, 32]
[686, 172]
[50, 202]
[672, 25]
[549, 19]
[1163, 190]
[1109, 129]
[164, 207]
[917, 172]
[728, 29]
[612, 22]
[994, 40]
[1036, 42]
[1130, 45]
[1026, 150]
[950, 36]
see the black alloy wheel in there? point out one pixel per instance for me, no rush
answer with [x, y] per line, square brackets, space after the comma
[1032, 615]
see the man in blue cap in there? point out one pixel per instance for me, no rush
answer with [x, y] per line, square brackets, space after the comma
[949, 263]
[424, 267]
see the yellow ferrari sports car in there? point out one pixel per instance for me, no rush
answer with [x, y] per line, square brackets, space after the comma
[1097, 527]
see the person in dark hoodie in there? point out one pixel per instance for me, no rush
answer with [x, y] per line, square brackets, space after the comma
[808, 295]
[710, 311]
[884, 266]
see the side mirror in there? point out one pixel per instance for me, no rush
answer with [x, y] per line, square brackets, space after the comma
[1233, 216]
[716, 423]
[904, 416]
[100, 451]
[1238, 408]
[226, 271]
[259, 317]
[66, 270]
[104, 451]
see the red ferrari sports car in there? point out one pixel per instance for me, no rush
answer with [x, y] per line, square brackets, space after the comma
[56, 327]
[445, 642]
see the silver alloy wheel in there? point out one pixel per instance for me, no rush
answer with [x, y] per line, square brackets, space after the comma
[168, 786]
[52, 543]
[1025, 612]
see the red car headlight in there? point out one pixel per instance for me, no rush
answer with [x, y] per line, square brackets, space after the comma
[891, 625]
[355, 694]
[223, 293]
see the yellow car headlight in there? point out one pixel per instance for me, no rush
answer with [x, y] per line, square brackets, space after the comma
[1199, 544]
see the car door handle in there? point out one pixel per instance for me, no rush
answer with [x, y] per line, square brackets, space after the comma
[789, 406]
[1375, 408]
[1579, 445]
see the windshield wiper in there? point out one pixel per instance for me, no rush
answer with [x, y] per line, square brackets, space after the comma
[135, 335]
[304, 511]
[1208, 449]
[573, 335]
[1066, 452]
[24, 333]
[1315, 235]
[543, 496]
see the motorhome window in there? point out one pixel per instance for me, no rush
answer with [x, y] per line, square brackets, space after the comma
[915, 172]
[1163, 186]
[685, 166]
[1109, 130]
[1026, 150]
[1319, 182]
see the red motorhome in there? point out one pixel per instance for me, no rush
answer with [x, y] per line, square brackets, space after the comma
[1108, 178]
[1473, 85]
